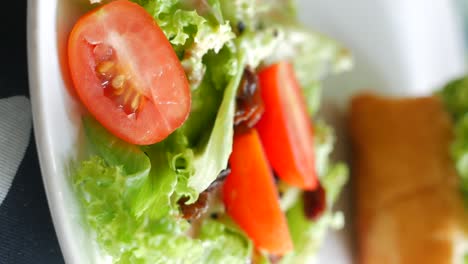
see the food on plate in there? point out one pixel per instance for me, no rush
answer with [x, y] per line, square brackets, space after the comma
[255, 196]
[285, 127]
[204, 144]
[130, 80]
[409, 208]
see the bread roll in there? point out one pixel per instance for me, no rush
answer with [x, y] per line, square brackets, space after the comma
[407, 203]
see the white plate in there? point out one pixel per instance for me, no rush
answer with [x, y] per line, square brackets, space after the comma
[401, 47]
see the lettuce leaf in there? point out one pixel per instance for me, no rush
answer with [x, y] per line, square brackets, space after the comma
[259, 45]
[207, 38]
[114, 150]
[204, 42]
[455, 98]
[213, 157]
[135, 165]
[191, 34]
[324, 140]
[200, 149]
[308, 235]
[229, 244]
[207, 98]
[241, 11]
[129, 199]
[129, 239]
[162, 183]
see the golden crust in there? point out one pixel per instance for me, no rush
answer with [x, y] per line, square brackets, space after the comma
[405, 183]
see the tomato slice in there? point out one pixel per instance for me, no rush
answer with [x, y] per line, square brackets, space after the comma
[285, 128]
[127, 74]
[251, 198]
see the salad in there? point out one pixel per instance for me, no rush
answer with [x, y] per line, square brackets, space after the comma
[204, 143]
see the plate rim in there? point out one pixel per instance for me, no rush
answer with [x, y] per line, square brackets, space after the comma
[45, 156]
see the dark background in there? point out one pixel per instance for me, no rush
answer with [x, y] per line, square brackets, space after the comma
[26, 232]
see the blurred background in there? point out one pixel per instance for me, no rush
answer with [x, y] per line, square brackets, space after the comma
[400, 47]
[462, 9]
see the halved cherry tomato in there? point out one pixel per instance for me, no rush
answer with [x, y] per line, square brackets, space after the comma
[127, 74]
[251, 198]
[285, 128]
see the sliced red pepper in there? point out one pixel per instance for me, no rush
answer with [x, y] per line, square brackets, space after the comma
[285, 127]
[251, 198]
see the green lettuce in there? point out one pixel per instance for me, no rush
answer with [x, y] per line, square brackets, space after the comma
[198, 151]
[214, 156]
[228, 243]
[207, 98]
[207, 38]
[324, 140]
[130, 193]
[120, 233]
[308, 235]
[191, 34]
[177, 168]
[459, 151]
[455, 98]
[259, 45]
[128, 198]
[240, 11]
[116, 151]
[204, 42]
[133, 162]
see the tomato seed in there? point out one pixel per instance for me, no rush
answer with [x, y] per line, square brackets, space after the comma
[135, 102]
[127, 95]
[118, 91]
[118, 81]
[105, 67]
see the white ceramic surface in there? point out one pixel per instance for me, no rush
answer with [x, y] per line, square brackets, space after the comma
[401, 47]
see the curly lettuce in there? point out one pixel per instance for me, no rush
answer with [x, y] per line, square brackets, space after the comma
[129, 200]
[192, 35]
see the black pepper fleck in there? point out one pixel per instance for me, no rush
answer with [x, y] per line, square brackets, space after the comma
[241, 27]
[214, 216]
[275, 33]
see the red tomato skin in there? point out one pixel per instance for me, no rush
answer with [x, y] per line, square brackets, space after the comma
[285, 127]
[154, 67]
[251, 198]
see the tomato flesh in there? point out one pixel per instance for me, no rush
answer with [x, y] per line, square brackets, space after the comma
[127, 74]
[251, 198]
[285, 127]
